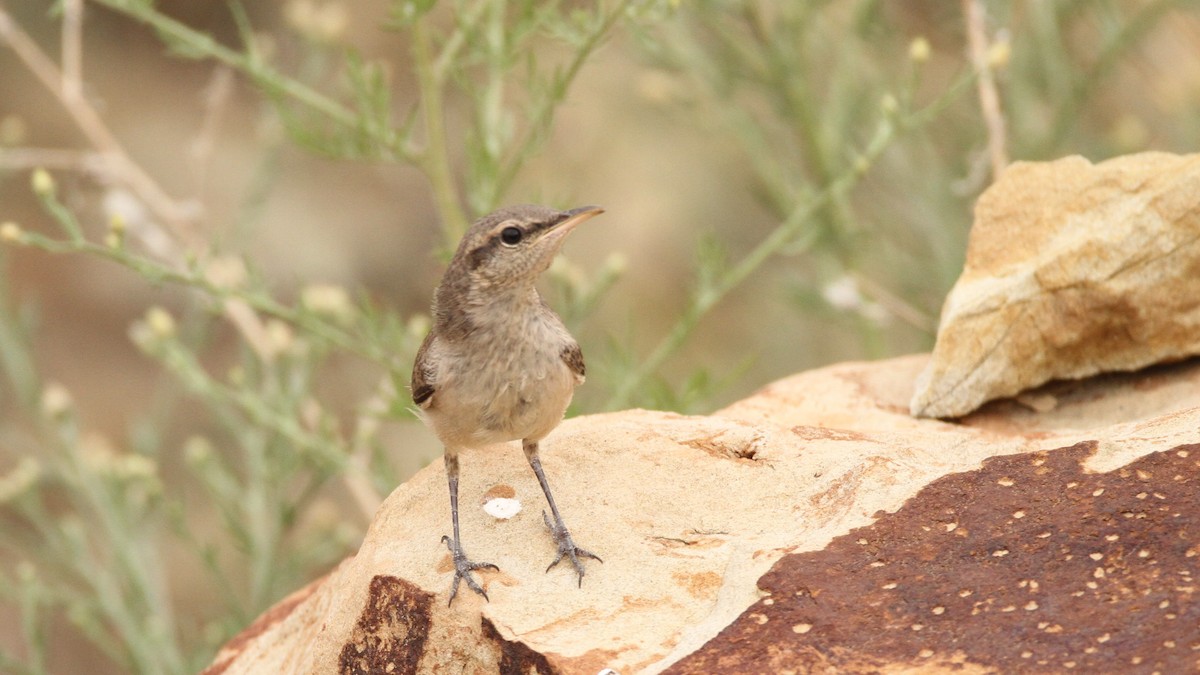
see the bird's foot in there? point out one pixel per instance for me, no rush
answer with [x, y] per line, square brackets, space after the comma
[567, 547]
[463, 569]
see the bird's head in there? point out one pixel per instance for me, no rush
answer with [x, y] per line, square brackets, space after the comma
[512, 246]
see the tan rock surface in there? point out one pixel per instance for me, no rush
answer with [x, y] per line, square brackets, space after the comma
[690, 513]
[1072, 269]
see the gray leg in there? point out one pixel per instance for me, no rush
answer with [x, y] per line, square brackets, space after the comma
[462, 566]
[562, 538]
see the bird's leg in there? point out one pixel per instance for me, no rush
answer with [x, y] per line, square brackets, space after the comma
[462, 566]
[562, 538]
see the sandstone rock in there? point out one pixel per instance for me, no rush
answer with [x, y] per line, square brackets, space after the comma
[815, 525]
[1072, 269]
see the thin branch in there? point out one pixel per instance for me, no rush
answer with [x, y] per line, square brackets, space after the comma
[174, 32]
[989, 99]
[216, 103]
[84, 161]
[179, 216]
[435, 160]
[543, 114]
[72, 49]
[896, 305]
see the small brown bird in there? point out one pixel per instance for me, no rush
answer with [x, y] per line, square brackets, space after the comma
[498, 364]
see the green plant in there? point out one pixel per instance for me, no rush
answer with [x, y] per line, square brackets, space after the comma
[91, 517]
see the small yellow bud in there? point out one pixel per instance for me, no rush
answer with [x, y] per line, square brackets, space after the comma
[279, 337]
[330, 22]
[999, 54]
[132, 466]
[117, 223]
[327, 299]
[325, 22]
[10, 232]
[197, 450]
[56, 400]
[226, 272]
[161, 323]
[17, 481]
[299, 13]
[889, 104]
[919, 50]
[42, 182]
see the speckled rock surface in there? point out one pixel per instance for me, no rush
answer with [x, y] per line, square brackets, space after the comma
[1072, 269]
[1030, 563]
[812, 526]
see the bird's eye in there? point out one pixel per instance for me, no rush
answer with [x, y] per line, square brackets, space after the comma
[511, 235]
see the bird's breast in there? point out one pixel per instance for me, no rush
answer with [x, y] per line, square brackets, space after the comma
[503, 385]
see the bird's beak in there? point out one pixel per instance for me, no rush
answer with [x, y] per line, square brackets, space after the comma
[575, 217]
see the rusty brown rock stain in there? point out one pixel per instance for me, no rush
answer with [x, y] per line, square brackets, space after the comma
[391, 631]
[516, 658]
[1027, 564]
[500, 491]
[596, 660]
[698, 584]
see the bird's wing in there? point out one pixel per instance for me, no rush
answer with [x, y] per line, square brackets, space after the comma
[424, 376]
[572, 355]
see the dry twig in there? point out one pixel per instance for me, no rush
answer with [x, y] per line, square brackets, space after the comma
[66, 85]
[989, 99]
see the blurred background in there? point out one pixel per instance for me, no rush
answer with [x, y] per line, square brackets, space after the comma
[222, 225]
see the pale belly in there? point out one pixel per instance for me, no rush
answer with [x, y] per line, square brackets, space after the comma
[488, 399]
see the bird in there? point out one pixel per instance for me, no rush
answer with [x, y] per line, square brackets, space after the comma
[498, 364]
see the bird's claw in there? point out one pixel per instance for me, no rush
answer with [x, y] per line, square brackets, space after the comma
[567, 548]
[463, 569]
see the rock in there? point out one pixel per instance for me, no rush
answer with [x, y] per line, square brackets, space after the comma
[812, 526]
[1072, 269]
